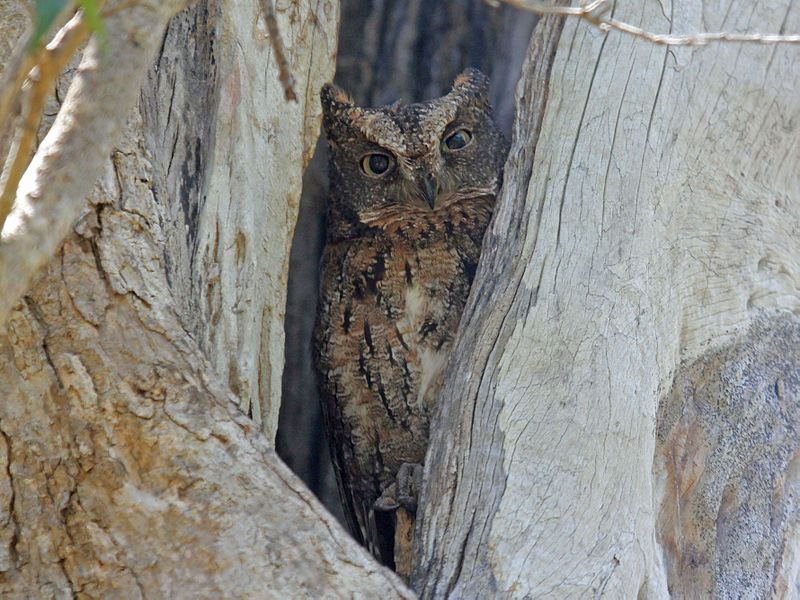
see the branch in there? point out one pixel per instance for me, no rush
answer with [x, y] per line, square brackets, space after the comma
[53, 190]
[276, 41]
[18, 68]
[19, 64]
[592, 13]
[50, 61]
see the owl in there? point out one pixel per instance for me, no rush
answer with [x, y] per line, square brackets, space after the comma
[412, 190]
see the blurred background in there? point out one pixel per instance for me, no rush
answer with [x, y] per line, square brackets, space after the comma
[408, 50]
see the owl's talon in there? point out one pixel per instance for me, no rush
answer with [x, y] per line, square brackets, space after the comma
[387, 500]
[384, 504]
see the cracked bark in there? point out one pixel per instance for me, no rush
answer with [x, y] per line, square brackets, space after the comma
[621, 420]
[127, 468]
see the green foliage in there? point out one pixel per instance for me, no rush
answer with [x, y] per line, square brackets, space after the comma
[48, 10]
[46, 13]
[91, 12]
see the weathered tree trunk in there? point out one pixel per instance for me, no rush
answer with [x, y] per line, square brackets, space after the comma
[231, 214]
[126, 466]
[621, 418]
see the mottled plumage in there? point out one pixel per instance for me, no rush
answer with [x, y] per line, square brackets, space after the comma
[412, 190]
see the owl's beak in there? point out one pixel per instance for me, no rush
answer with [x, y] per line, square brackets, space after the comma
[430, 189]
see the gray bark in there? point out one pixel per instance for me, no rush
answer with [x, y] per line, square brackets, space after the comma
[232, 214]
[621, 417]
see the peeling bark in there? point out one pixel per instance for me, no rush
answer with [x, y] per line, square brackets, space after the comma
[728, 450]
[644, 257]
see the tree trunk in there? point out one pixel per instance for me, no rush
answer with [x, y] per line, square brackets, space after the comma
[228, 239]
[128, 469]
[621, 416]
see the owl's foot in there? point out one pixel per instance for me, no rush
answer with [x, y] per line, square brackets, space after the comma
[387, 500]
[404, 491]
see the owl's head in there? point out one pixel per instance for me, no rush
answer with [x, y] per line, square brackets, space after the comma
[423, 155]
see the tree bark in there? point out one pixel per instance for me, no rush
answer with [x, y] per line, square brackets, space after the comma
[621, 415]
[233, 212]
[128, 468]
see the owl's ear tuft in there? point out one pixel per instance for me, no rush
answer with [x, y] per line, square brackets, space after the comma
[337, 111]
[472, 83]
[334, 98]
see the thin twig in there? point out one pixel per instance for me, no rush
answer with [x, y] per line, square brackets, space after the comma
[553, 9]
[50, 61]
[589, 13]
[279, 50]
[54, 188]
[17, 69]
[22, 150]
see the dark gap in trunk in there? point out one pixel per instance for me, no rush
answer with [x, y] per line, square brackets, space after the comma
[388, 50]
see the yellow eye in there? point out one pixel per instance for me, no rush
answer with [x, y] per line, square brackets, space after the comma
[458, 139]
[376, 164]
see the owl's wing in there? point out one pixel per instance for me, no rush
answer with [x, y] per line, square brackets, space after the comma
[375, 531]
[333, 427]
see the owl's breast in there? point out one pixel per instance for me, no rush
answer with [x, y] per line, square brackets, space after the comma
[430, 303]
[389, 310]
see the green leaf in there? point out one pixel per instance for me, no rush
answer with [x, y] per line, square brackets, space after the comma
[46, 12]
[91, 12]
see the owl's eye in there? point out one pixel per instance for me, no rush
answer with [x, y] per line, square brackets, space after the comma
[376, 164]
[458, 139]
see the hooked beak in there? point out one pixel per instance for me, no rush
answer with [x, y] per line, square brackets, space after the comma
[429, 189]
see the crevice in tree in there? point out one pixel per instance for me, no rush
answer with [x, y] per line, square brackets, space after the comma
[12, 521]
[388, 51]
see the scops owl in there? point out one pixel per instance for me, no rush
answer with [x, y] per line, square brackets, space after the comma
[412, 190]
